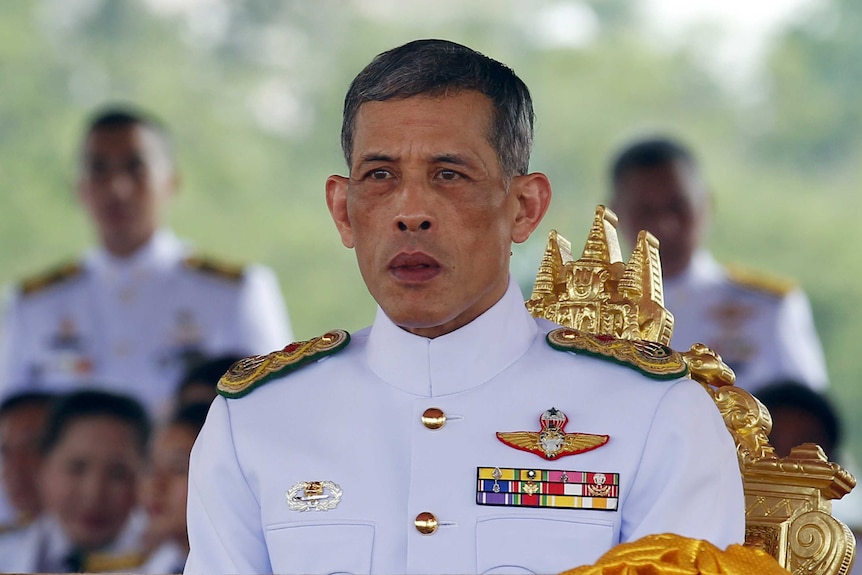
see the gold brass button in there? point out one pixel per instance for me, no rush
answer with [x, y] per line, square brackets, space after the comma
[426, 523]
[433, 418]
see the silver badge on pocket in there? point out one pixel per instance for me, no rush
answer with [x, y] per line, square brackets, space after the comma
[313, 496]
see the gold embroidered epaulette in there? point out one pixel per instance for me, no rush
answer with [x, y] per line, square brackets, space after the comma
[650, 358]
[112, 563]
[252, 372]
[759, 281]
[12, 526]
[230, 272]
[52, 277]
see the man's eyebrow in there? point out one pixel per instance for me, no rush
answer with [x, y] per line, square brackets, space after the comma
[375, 157]
[457, 159]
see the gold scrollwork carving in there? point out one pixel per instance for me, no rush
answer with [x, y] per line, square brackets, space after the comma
[818, 543]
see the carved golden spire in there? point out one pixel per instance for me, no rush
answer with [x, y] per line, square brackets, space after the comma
[598, 293]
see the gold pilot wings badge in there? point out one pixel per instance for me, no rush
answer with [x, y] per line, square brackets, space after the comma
[552, 441]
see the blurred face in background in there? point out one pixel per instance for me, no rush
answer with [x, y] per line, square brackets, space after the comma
[21, 431]
[89, 479]
[126, 178]
[166, 483]
[670, 201]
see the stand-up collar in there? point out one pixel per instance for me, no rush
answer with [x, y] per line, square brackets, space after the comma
[702, 269]
[457, 361]
[160, 252]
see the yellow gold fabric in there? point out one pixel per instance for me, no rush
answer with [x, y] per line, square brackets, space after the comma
[669, 554]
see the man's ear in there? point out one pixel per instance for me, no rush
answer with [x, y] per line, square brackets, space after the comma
[533, 194]
[336, 201]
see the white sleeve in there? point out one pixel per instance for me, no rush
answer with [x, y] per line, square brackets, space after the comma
[12, 359]
[224, 524]
[802, 354]
[264, 325]
[688, 481]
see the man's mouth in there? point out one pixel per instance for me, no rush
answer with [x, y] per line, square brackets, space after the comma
[414, 267]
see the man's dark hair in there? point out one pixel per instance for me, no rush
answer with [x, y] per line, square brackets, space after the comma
[648, 153]
[121, 116]
[788, 393]
[71, 407]
[25, 399]
[435, 67]
[192, 416]
[208, 371]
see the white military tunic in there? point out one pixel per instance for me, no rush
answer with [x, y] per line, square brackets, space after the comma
[131, 324]
[764, 336]
[354, 419]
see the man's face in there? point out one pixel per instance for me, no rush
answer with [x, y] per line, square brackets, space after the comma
[668, 200]
[125, 180]
[166, 482]
[20, 433]
[428, 211]
[89, 479]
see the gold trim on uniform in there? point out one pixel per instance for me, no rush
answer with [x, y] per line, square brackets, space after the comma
[251, 372]
[207, 265]
[759, 281]
[106, 562]
[650, 358]
[50, 278]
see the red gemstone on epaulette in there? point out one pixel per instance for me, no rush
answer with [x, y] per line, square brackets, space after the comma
[291, 347]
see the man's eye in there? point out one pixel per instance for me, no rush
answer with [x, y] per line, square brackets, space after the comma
[449, 175]
[378, 174]
[136, 167]
[97, 169]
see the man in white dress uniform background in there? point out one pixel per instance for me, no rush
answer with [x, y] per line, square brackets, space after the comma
[139, 308]
[457, 434]
[761, 326]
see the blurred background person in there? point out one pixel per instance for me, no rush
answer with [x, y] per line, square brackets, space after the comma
[165, 490]
[762, 327]
[198, 385]
[801, 415]
[22, 425]
[93, 453]
[138, 309]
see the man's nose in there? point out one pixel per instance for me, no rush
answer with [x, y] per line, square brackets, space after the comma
[414, 213]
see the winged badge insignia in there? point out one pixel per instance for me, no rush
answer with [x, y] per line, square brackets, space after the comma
[552, 441]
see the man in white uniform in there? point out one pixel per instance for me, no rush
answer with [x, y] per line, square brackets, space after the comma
[455, 435]
[138, 309]
[762, 327]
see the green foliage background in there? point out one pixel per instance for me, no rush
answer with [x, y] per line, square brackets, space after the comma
[252, 90]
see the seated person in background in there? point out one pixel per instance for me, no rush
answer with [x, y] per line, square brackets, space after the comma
[800, 415]
[22, 424]
[93, 453]
[140, 307]
[199, 383]
[435, 441]
[165, 490]
[762, 328]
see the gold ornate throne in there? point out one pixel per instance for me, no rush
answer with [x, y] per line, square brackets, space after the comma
[788, 500]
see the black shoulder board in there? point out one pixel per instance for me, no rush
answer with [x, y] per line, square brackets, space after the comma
[650, 358]
[230, 272]
[50, 278]
[252, 372]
